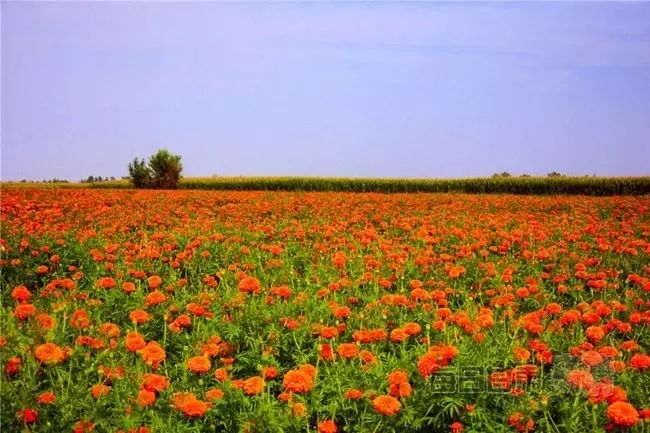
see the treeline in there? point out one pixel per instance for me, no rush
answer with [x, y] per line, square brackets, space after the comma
[53, 180]
[93, 179]
[499, 185]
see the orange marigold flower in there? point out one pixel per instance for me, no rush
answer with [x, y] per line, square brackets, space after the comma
[329, 332]
[580, 378]
[24, 311]
[221, 374]
[45, 321]
[154, 281]
[326, 352]
[152, 354]
[447, 352]
[47, 397]
[601, 392]
[630, 345]
[199, 364]
[128, 287]
[327, 426]
[386, 405]
[270, 372]
[595, 333]
[187, 403]
[309, 369]
[353, 394]
[253, 385]
[339, 259]
[366, 356]
[428, 364]
[436, 358]
[297, 381]
[99, 390]
[521, 354]
[617, 366]
[181, 322]
[110, 329]
[412, 328]
[608, 351]
[80, 319]
[298, 409]
[154, 298]
[591, 358]
[622, 414]
[139, 316]
[289, 323]
[146, 397]
[21, 294]
[106, 283]
[396, 377]
[49, 353]
[518, 421]
[282, 291]
[155, 382]
[249, 285]
[348, 350]
[28, 415]
[402, 389]
[83, 427]
[640, 361]
[214, 394]
[398, 335]
[14, 364]
[342, 312]
[456, 427]
[134, 341]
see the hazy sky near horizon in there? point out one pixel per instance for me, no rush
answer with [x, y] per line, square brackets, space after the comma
[327, 89]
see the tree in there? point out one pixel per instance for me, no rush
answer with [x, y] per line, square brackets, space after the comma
[165, 169]
[554, 174]
[139, 173]
[162, 171]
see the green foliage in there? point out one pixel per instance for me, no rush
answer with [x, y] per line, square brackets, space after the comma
[523, 185]
[139, 173]
[498, 185]
[163, 171]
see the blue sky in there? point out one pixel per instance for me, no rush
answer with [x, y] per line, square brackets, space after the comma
[339, 89]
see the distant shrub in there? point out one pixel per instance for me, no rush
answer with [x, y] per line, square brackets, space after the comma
[165, 169]
[139, 173]
[162, 171]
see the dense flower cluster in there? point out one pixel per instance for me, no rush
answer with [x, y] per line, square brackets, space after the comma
[151, 311]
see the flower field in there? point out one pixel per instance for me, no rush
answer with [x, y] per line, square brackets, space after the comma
[215, 311]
